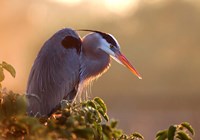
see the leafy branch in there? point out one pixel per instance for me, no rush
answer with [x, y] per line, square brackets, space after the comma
[87, 120]
[7, 67]
[176, 131]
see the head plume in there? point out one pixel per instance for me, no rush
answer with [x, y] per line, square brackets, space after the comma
[108, 37]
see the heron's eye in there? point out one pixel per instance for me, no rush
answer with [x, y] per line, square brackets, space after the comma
[111, 46]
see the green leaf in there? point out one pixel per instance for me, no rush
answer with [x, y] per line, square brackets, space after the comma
[183, 136]
[137, 135]
[9, 68]
[113, 123]
[116, 134]
[101, 103]
[105, 116]
[2, 76]
[99, 133]
[86, 133]
[161, 135]
[188, 127]
[107, 130]
[91, 104]
[171, 132]
[123, 137]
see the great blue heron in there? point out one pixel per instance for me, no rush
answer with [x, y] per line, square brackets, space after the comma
[66, 64]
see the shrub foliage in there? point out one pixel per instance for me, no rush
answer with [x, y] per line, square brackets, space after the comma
[87, 120]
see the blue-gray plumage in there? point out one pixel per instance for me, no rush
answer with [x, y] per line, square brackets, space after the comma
[66, 65]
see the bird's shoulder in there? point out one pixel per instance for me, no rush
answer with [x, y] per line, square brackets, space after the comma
[66, 38]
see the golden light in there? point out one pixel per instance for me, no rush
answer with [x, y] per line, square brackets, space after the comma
[70, 2]
[120, 6]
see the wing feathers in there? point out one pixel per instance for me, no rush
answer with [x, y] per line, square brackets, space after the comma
[55, 72]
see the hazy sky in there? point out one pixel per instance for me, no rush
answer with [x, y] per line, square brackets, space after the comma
[116, 6]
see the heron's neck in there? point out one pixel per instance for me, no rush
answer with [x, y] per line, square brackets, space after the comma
[93, 64]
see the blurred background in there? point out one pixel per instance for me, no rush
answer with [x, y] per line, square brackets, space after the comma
[160, 37]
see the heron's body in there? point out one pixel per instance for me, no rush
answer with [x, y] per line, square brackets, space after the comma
[62, 68]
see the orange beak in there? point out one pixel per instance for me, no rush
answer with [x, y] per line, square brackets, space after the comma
[126, 63]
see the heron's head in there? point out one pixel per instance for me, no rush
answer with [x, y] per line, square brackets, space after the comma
[110, 46]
